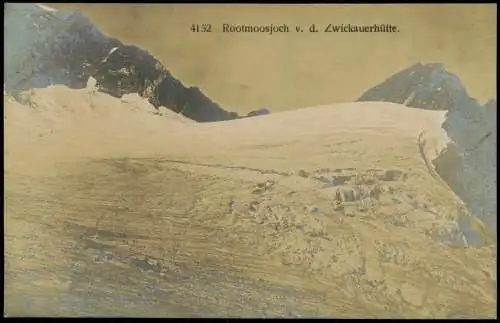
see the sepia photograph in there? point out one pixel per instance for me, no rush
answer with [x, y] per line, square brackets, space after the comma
[250, 160]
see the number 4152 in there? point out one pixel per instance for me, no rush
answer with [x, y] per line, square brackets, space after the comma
[201, 28]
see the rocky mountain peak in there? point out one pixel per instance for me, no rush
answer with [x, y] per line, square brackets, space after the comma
[423, 86]
[45, 47]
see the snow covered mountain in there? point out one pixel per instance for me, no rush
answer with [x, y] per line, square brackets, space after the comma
[46, 47]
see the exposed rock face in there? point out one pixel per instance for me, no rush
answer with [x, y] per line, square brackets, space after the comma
[468, 164]
[259, 112]
[46, 47]
[421, 86]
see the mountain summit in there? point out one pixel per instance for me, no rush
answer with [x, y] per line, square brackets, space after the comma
[423, 86]
[46, 47]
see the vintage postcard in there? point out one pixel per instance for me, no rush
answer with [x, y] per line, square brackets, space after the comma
[250, 160]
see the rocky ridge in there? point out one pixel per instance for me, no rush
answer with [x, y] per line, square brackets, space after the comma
[47, 47]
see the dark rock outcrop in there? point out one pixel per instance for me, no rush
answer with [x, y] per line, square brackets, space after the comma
[46, 47]
[259, 112]
[469, 163]
[423, 86]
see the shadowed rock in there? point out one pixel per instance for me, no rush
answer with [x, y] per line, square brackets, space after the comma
[469, 163]
[259, 112]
